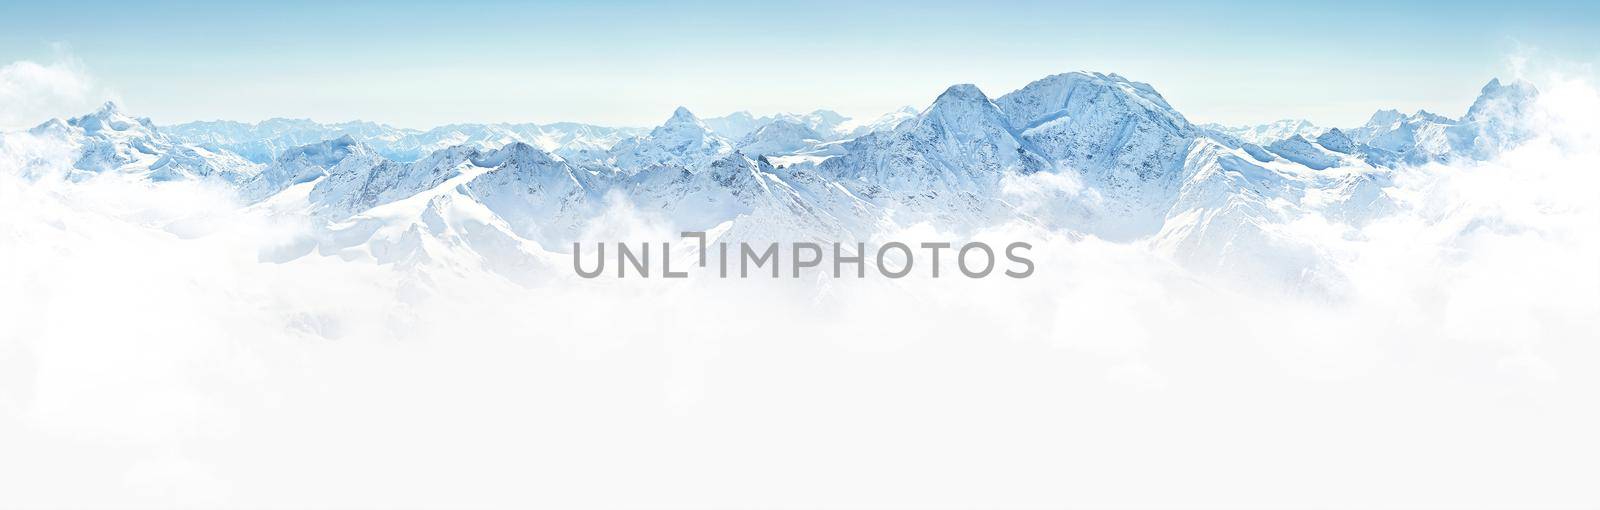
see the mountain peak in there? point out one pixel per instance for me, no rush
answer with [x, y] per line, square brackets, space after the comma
[965, 108]
[107, 110]
[50, 126]
[1518, 87]
[1493, 85]
[827, 117]
[682, 115]
[1053, 96]
[1497, 99]
[682, 119]
[517, 153]
[962, 92]
[734, 156]
[681, 141]
[110, 117]
[1385, 117]
[1337, 141]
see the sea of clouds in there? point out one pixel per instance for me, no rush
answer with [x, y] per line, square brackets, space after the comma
[150, 359]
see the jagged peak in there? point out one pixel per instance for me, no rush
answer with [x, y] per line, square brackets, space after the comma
[735, 156]
[961, 92]
[682, 120]
[518, 156]
[1501, 99]
[109, 116]
[1431, 117]
[1337, 141]
[1389, 116]
[520, 146]
[1518, 87]
[734, 164]
[107, 110]
[964, 103]
[523, 151]
[1385, 116]
[682, 114]
[450, 155]
[1493, 85]
[960, 99]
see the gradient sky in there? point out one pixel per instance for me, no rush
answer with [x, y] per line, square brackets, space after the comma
[421, 64]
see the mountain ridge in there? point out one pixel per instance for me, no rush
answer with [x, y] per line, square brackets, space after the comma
[1145, 171]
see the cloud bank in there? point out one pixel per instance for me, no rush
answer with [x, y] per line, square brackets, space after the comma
[150, 359]
[30, 91]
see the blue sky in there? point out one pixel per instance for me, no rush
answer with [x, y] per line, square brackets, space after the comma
[421, 64]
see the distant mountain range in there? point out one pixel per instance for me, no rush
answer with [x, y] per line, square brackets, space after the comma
[505, 196]
[264, 141]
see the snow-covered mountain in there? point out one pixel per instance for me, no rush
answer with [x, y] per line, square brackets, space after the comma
[506, 196]
[945, 164]
[737, 125]
[1263, 134]
[780, 137]
[108, 140]
[808, 136]
[683, 141]
[1121, 136]
[1391, 137]
[1491, 124]
[262, 142]
[853, 128]
[1238, 196]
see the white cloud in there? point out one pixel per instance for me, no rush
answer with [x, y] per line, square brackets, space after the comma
[31, 93]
